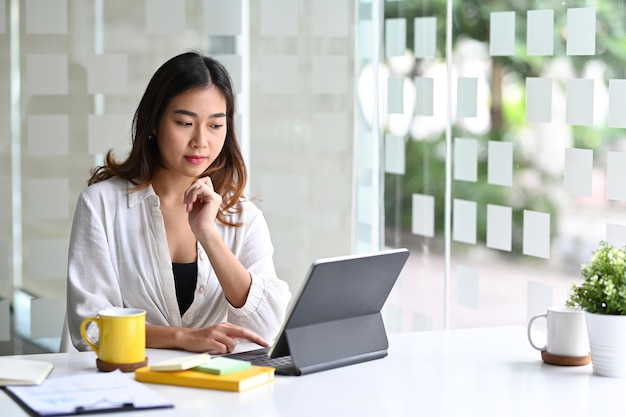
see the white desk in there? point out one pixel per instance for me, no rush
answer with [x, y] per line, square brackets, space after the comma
[475, 372]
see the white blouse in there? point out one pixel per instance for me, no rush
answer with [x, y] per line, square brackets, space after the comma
[119, 256]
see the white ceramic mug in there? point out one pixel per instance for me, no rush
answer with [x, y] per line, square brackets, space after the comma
[567, 332]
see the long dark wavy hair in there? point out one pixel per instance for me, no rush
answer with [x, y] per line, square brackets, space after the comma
[179, 74]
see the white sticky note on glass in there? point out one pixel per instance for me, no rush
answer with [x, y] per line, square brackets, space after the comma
[364, 209]
[578, 171]
[48, 198]
[4, 260]
[46, 74]
[502, 34]
[617, 103]
[279, 18]
[499, 227]
[421, 322]
[538, 100]
[536, 234]
[107, 131]
[581, 31]
[5, 201]
[107, 74]
[365, 142]
[329, 74]
[616, 235]
[232, 63]
[465, 159]
[540, 33]
[329, 17]
[424, 89]
[48, 135]
[467, 280]
[579, 102]
[366, 39]
[500, 163]
[395, 95]
[464, 221]
[466, 97]
[223, 18]
[279, 74]
[5, 320]
[277, 189]
[331, 131]
[615, 175]
[165, 17]
[425, 33]
[395, 37]
[46, 317]
[423, 215]
[3, 16]
[538, 299]
[394, 154]
[47, 258]
[45, 17]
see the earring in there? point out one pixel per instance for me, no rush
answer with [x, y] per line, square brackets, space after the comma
[151, 136]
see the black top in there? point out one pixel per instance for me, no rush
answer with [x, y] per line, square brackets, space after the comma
[185, 279]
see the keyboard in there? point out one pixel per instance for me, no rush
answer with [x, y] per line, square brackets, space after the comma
[259, 357]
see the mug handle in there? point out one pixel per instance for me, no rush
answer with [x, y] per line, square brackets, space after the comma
[530, 325]
[83, 333]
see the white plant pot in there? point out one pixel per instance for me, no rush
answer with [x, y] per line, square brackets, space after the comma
[607, 340]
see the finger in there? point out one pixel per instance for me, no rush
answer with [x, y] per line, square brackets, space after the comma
[198, 189]
[207, 181]
[242, 333]
[193, 194]
[226, 344]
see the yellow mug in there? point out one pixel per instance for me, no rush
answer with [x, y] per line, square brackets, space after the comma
[122, 340]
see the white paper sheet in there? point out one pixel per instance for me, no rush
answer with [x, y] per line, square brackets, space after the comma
[579, 101]
[425, 35]
[89, 392]
[581, 31]
[536, 234]
[465, 159]
[578, 171]
[395, 37]
[538, 100]
[466, 99]
[166, 17]
[617, 103]
[502, 34]
[615, 174]
[540, 33]
[500, 163]
[424, 103]
[499, 227]
[464, 221]
[423, 215]
[468, 279]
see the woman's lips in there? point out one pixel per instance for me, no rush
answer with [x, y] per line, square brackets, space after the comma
[196, 160]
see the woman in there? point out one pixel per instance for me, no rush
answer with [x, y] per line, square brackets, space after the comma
[168, 230]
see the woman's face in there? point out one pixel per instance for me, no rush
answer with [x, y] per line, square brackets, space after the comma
[192, 131]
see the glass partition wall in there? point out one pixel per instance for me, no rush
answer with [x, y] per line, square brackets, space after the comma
[485, 136]
[72, 73]
[508, 170]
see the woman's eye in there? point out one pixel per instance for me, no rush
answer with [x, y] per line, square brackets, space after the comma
[184, 123]
[216, 126]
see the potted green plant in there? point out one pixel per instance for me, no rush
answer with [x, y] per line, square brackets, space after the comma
[602, 295]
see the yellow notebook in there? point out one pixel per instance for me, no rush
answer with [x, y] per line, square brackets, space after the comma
[236, 381]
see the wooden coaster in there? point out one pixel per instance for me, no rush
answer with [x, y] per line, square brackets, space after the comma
[551, 359]
[124, 367]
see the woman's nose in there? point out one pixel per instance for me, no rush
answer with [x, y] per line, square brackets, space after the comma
[199, 139]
